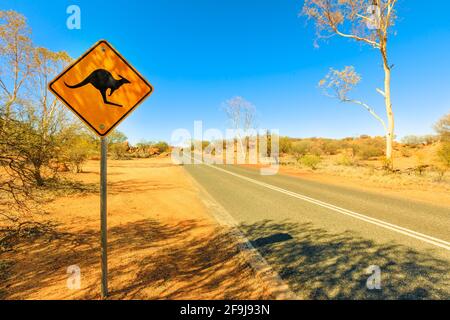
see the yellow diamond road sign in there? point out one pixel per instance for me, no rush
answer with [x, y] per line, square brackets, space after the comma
[101, 88]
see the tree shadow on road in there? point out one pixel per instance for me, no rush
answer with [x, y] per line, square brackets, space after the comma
[321, 265]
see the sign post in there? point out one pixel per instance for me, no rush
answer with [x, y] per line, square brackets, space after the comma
[104, 215]
[102, 89]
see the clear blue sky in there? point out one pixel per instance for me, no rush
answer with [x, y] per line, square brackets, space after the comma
[199, 53]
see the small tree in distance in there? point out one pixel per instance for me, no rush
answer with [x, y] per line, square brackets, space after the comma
[241, 113]
[117, 144]
[443, 129]
[242, 117]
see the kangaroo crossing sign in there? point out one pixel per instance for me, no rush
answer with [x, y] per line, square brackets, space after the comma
[101, 88]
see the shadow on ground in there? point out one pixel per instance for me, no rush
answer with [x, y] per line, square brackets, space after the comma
[135, 186]
[321, 265]
[148, 260]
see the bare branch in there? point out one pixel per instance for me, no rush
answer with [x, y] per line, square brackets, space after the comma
[338, 83]
[357, 38]
[371, 111]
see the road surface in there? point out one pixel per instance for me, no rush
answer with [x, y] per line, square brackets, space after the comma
[329, 242]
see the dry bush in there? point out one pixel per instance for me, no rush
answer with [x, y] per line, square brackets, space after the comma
[364, 147]
[300, 148]
[331, 147]
[417, 141]
[346, 160]
[79, 148]
[147, 149]
[444, 154]
[310, 161]
[162, 146]
[118, 146]
[406, 152]
[285, 145]
[443, 129]
[369, 148]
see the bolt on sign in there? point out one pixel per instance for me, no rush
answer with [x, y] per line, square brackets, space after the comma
[101, 88]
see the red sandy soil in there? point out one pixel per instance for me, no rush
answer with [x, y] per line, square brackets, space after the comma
[163, 244]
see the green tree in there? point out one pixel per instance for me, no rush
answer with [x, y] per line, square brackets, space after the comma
[285, 144]
[117, 145]
[442, 127]
[28, 111]
[162, 146]
[80, 146]
[311, 161]
[300, 148]
[33, 125]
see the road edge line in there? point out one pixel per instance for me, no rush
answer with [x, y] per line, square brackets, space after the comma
[255, 260]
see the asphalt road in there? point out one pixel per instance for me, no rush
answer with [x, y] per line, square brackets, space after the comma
[326, 241]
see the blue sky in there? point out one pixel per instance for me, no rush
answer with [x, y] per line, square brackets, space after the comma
[199, 53]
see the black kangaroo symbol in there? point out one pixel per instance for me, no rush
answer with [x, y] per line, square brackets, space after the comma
[102, 80]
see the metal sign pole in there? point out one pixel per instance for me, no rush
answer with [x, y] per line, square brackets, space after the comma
[103, 216]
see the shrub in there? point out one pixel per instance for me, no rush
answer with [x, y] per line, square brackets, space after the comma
[414, 141]
[300, 148]
[440, 171]
[406, 152]
[161, 146]
[430, 139]
[345, 160]
[285, 145]
[411, 140]
[369, 148]
[80, 149]
[316, 149]
[117, 137]
[331, 147]
[119, 151]
[444, 154]
[117, 145]
[443, 128]
[366, 152]
[143, 144]
[311, 161]
[420, 169]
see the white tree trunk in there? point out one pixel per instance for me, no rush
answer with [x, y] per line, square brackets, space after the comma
[390, 116]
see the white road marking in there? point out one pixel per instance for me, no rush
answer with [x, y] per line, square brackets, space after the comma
[410, 233]
[269, 278]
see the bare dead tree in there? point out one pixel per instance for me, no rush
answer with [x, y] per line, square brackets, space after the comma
[442, 127]
[338, 83]
[241, 113]
[366, 21]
